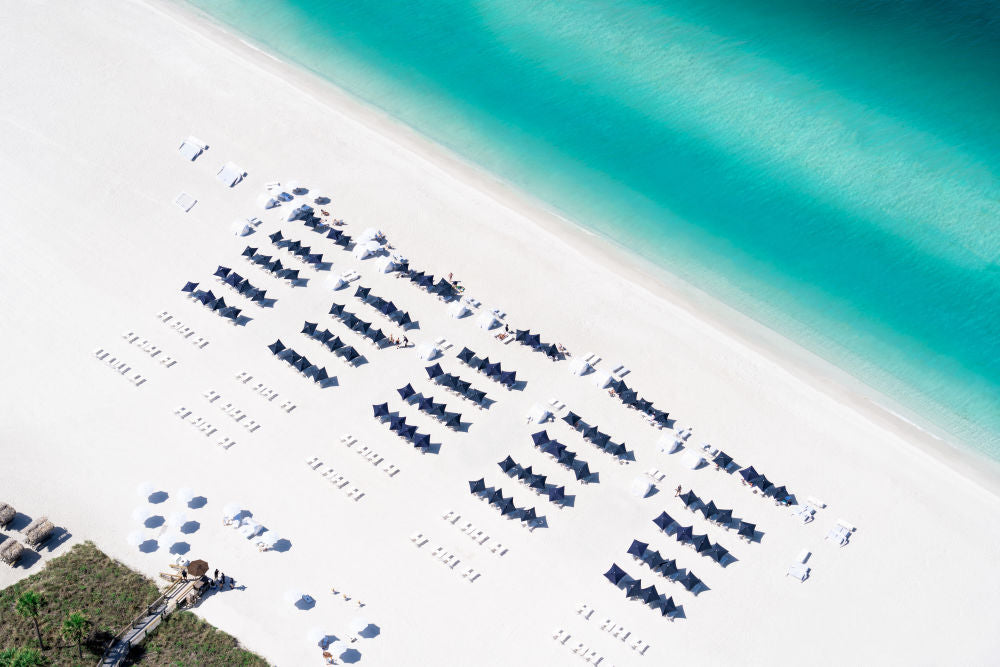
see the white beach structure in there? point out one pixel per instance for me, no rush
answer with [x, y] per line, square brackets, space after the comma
[579, 366]
[370, 234]
[693, 460]
[266, 201]
[458, 310]
[241, 228]
[185, 202]
[640, 487]
[668, 443]
[539, 414]
[428, 352]
[366, 250]
[191, 148]
[603, 380]
[230, 174]
[487, 321]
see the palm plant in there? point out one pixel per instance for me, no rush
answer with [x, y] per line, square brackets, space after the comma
[22, 657]
[74, 628]
[29, 605]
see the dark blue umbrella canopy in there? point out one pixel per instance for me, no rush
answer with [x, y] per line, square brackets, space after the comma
[491, 369]
[567, 458]
[648, 595]
[555, 448]
[684, 533]
[572, 419]
[425, 281]
[334, 344]
[667, 606]
[406, 392]
[534, 340]
[748, 473]
[701, 543]
[540, 438]
[408, 432]
[233, 279]
[552, 351]
[709, 509]
[582, 471]
[323, 336]
[637, 548]
[276, 347]
[218, 304]
[361, 327]
[628, 397]
[663, 520]
[351, 354]
[477, 486]
[362, 292]
[508, 377]
[619, 450]
[425, 403]
[462, 385]
[434, 371]
[222, 271]
[506, 507]
[601, 439]
[311, 371]
[396, 423]
[778, 492]
[654, 559]
[590, 432]
[314, 258]
[667, 568]
[302, 364]
[520, 335]
[376, 335]
[761, 482]
[246, 286]
[524, 473]
[336, 309]
[249, 252]
[309, 328]
[479, 364]
[189, 287]
[466, 355]
[537, 481]
[689, 581]
[717, 552]
[454, 421]
[634, 589]
[422, 440]
[293, 356]
[496, 497]
[381, 410]
[321, 375]
[529, 514]
[615, 574]
[557, 494]
[334, 234]
[722, 516]
[405, 319]
[437, 410]
[689, 498]
[275, 237]
[507, 464]
[294, 245]
[747, 529]
[722, 460]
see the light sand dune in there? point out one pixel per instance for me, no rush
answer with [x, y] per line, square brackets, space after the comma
[98, 98]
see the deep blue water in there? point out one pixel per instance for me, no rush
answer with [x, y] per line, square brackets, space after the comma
[828, 168]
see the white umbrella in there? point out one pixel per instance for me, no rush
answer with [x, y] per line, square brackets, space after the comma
[141, 513]
[370, 234]
[335, 282]
[640, 487]
[427, 352]
[292, 186]
[293, 596]
[231, 510]
[270, 538]
[185, 495]
[579, 367]
[177, 519]
[358, 625]
[458, 310]
[170, 537]
[316, 635]
[145, 489]
[240, 228]
[668, 444]
[487, 321]
[135, 538]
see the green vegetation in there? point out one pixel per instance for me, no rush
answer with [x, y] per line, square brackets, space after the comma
[81, 600]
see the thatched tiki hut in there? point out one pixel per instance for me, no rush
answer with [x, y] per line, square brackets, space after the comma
[6, 514]
[38, 531]
[10, 552]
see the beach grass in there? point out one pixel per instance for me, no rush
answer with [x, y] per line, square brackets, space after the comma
[109, 595]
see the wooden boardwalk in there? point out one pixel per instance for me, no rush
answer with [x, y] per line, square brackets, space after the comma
[145, 623]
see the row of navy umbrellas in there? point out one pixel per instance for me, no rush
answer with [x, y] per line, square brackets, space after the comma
[387, 308]
[309, 219]
[297, 248]
[270, 264]
[631, 398]
[505, 505]
[723, 517]
[533, 480]
[356, 324]
[665, 567]
[299, 362]
[426, 405]
[442, 287]
[563, 456]
[332, 342]
[216, 304]
[490, 369]
[700, 543]
[455, 383]
[534, 341]
[594, 436]
[634, 590]
[240, 284]
[398, 425]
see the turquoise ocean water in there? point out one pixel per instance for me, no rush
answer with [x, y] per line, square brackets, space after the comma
[828, 168]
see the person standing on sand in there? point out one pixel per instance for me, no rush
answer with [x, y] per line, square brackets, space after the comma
[678, 491]
[222, 581]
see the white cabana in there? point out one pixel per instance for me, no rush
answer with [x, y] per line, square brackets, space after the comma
[387, 265]
[316, 635]
[487, 321]
[266, 201]
[230, 174]
[177, 519]
[185, 202]
[458, 310]
[640, 487]
[335, 282]
[603, 380]
[693, 460]
[539, 414]
[250, 528]
[365, 250]
[358, 625]
[427, 352]
[240, 228]
[169, 538]
[370, 234]
[191, 148]
[668, 444]
[579, 367]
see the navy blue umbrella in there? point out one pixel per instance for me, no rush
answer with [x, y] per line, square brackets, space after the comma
[540, 438]
[508, 378]
[529, 515]
[276, 347]
[689, 498]
[506, 507]
[406, 392]
[582, 471]
[381, 410]
[351, 354]
[336, 309]
[684, 533]
[667, 568]
[716, 552]
[747, 530]
[701, 543]
[615, 574]
[249, 252]
[321, 374]
[189, 287]
[507, 464]
[648, 595]
[689, 581]
[601, 439]
[454, 421]
[557, 494]
[491, 369]
[761, 482]
[663, 520]
[466, 355]
[409, 431]
[748, 473]
[233, 279]
[478, 486]
[634, 589]
[222, 272]
[722, 460]
[537, 481]
[405, 319]
[520, 335]
[709, 509]
[422, 440]
[637, 549]
[334, 344]
[362, 292]
[667, 606]
[572, 419]
[653, 559]
[723, 516]
[434, 371]
[309, 328]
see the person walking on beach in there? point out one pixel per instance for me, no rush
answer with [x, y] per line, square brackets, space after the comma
[406, 341]
[216, 577]
[222, 581]
[678, 491]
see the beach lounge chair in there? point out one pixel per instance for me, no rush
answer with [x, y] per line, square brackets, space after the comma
[607, 624]
[798, 571]
[10, 552]
[560, 635]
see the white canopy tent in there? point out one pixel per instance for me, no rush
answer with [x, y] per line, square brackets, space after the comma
[240, 228]
[640, 487]
[487, 321]
[668, 444]
[335, 282]
[266, 201]
[230, 174]
[191, 148]
[603, 380]
[693, 460]
[365, 250]
[427, 352]
[579, 367]
[370, 234]
[458, 310]
[539, 414]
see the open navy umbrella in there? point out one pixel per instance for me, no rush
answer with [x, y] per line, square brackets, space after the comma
[590, 433]
[748, 473]
[540, 438]
[529, 515]
[537, 481]
[689, 498]
[689, 581]
[683, 533]
[406, 392]
[334, 344]
[653, 559]
[761, 482]
[336, 309]
[408, 432]
[709, 509]
[422, 440]
[508, 378]
[276, 347]
[634, 589]
[507, 464]
[362, 292]
[524, 473]
[396, 423]
[434, 371]
[648, 595]
[233, 279]
[572, 419]
[189, 287]
[663, 520]
[716, 552]
[637, 549]
[667, 606]
[351, 354]
[557, 494]
[701, 543]
[321, 374]
[722, 460]
[491, 369]
[615, 574]
[507, 507]
[249, 252]
[668, 567]
[478, 486]
[309, 328]
[466, 355]
[601, 439]
[454, 421]
[222, 272]
[380, 410]
[724, 517]
[582, 471]
[747, 530]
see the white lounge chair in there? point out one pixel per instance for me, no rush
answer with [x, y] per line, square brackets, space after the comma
[798, 571]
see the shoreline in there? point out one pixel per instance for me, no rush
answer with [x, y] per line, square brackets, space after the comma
[786, 354]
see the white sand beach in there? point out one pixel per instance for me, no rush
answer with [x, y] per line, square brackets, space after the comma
[99, 96]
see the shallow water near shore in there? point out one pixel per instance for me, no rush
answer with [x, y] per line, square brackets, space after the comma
[828, 170]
